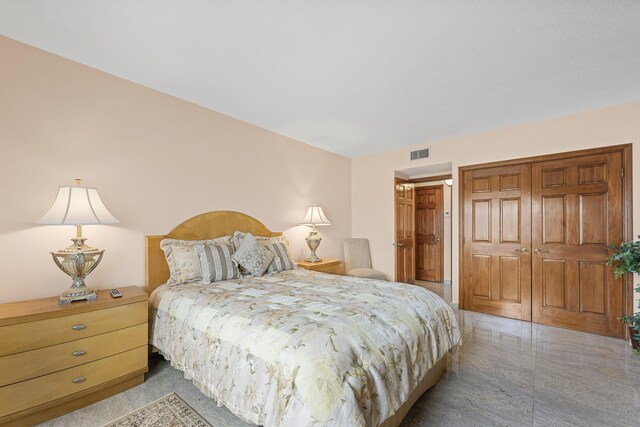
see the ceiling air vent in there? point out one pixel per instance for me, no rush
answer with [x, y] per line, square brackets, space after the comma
[425, 153]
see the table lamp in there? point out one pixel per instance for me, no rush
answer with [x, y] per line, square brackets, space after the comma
[315, 217]
[77, 205]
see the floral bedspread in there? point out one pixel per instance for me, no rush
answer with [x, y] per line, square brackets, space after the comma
[300, 348]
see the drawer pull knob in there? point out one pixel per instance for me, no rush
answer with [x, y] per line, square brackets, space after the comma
[78, 327]
[79, 353]
[78, 380]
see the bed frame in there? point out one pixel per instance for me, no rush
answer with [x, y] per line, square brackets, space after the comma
[223, 223]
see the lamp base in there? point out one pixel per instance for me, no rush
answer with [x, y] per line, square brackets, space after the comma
[313, 241]
[313, 258]
[77, 261]
[78, 294]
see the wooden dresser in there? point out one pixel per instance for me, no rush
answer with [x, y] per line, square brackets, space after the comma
[327, 265]
[55, 359]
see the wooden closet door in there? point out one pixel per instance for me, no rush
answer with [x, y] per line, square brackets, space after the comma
[577, 214]
[429, 233]
[497, 241]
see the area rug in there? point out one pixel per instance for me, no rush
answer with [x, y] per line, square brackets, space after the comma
[170, 411]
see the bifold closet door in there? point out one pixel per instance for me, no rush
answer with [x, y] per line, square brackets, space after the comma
[577, 214]
[497, 241]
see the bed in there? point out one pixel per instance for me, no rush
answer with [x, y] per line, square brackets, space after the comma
[298, 347]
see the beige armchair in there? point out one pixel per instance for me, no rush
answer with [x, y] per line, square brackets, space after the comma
[357, 259]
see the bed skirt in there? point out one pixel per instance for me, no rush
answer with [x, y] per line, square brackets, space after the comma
[430, 379]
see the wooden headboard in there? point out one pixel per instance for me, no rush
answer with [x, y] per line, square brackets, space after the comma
[206, 226]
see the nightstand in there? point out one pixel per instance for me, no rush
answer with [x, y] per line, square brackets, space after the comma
[327, 265]
[55, 359]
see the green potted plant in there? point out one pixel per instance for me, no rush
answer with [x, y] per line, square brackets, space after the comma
[626, 259]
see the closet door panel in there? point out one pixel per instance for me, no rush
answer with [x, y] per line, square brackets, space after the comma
[497, 241]
[576, 214]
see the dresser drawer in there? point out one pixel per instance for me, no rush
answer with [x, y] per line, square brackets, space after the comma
[43, 333]
[27, 394]
[34, 363]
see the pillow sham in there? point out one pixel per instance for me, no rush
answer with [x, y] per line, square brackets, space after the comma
[252, 257]
[216, 262]
[239, 236]
[183, 260]
[281, 259]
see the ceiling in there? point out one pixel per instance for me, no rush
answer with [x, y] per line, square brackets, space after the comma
[355, 77]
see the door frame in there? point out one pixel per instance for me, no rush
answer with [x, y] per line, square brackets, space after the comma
[441, 229]
[627, 206]
[430, 178]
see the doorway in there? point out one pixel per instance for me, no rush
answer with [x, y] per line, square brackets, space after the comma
[423, 244]
[535, 235]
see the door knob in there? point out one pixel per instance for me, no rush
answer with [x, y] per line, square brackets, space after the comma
[540, 251]
[398, 244]
[521, 251]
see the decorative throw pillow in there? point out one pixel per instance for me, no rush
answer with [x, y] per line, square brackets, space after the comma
[237, 238]
[278, 264]
[216, 262]
[252, 257]
[281, 259]
[183, 260]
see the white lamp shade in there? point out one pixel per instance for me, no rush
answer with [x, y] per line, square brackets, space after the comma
[315, 216]
[77, 206]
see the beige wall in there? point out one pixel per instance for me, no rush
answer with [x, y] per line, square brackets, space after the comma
[156, 160]
[372, 176]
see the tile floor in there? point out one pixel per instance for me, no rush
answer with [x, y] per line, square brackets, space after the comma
[439, 288]
[507, 373]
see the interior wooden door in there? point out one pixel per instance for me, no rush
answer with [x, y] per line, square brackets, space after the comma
[577, 214]
[497, 241]
[405, 231]
[429, 233]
